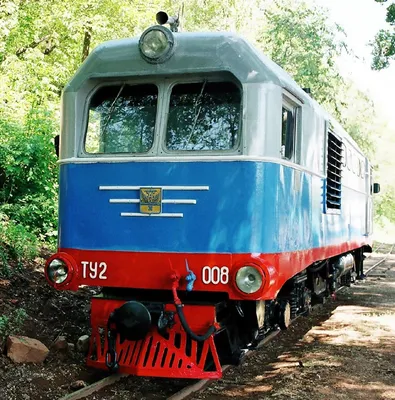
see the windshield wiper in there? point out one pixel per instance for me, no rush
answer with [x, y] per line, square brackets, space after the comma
[197, 112]
[111, 110]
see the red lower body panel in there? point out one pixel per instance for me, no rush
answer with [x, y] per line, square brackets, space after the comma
[118, 269]
[172, 356]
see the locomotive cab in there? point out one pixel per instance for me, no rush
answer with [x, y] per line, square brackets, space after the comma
[199, 187]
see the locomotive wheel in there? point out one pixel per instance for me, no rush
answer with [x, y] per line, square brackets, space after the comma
[284, 315]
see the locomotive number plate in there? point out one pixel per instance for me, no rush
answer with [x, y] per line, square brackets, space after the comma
[94, 269]
[215, 275]
[151, 200]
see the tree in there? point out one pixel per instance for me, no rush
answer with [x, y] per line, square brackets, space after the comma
[43, 42]
[298, 38]
[384, 42]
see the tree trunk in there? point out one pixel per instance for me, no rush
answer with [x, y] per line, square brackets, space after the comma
[87, 43]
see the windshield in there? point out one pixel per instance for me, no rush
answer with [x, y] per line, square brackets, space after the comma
[204, 116]
[122, 119]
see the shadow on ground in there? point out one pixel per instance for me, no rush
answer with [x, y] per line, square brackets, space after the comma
[346, 354]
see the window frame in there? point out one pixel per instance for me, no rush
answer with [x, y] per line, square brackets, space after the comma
[237, 149]
[118, 82]
[293, 104]
[164, 85]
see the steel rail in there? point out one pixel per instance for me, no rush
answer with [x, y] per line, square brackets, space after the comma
[375, 250]
[380, 261]
[94, 387]
[203, 383]
[199, 385]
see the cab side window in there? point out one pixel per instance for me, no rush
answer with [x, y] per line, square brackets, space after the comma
[288, 132]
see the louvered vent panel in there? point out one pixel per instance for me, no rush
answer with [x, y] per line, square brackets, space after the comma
[334, 173]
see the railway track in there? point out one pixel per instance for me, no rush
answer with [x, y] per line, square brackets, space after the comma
[381, 261]
[380, 248]
[376, 249]
[94, 387]
[202, 384]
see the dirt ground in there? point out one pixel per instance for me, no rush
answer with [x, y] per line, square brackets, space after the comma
[345, 350]
[50, 314]
[350, 355]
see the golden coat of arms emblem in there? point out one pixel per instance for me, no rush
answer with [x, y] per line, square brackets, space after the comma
[150, 200]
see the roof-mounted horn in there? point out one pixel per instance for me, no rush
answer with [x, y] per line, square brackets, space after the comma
[162, 18]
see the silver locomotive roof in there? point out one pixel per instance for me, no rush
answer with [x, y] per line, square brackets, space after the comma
[195, 53]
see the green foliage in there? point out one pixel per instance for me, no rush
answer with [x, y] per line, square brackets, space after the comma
[28, 174]
[42, 44]
[222, 15]
[384, 42]
[16, 243]
[358, 117]
[12, 324]
[298, 38]
[385, 214]
[28, 188]
[384, 204]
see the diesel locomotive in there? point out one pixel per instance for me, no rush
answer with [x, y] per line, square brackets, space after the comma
[209, 196]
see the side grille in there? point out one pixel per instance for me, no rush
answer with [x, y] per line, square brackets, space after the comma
[334, 173]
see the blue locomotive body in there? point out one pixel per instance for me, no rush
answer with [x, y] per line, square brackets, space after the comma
[244, 207]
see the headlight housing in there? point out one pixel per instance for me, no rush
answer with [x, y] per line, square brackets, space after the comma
[156, 44]
[249, 279]
[57, 271]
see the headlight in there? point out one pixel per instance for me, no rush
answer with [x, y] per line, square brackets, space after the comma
[156, 44]
[249, 279]
[57, 271]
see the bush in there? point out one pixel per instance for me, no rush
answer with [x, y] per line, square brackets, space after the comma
[28, 183]
[12, 324]
[16, 242]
